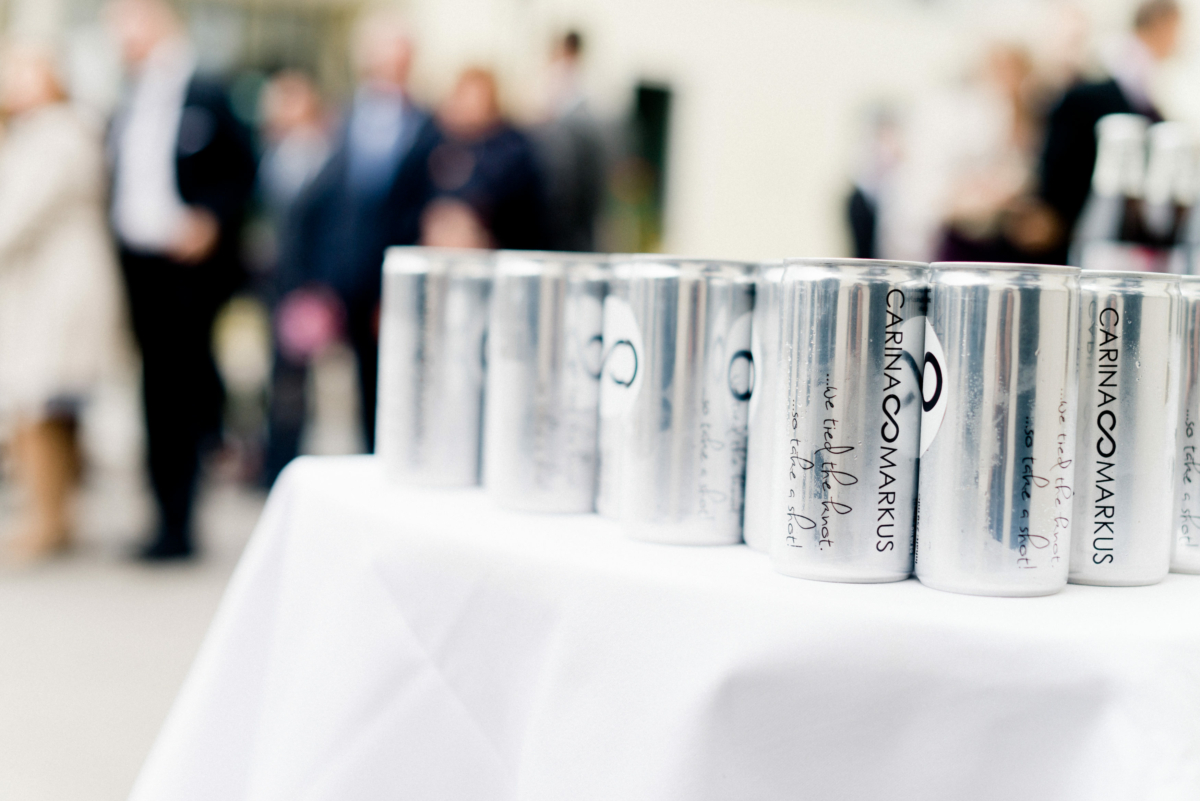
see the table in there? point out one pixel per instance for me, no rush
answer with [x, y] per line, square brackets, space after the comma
[379, 642]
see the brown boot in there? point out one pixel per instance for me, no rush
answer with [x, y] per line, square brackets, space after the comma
[46, 464]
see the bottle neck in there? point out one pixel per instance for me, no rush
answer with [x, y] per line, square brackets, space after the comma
[1120, 169]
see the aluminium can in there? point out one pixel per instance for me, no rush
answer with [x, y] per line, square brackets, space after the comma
[1125, 488]
[543, 380]
[764, 413]
[845, 498]
[432, 329]
[998, 428]
[677, 378]
[1185, 555]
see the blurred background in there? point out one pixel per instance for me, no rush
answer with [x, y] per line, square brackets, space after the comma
[748, 129]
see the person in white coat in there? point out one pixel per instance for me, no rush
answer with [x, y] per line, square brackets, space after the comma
[60, 308]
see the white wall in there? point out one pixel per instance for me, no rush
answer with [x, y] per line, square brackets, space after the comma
[35, 20]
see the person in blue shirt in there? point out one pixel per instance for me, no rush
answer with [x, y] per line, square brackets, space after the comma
[368, 196]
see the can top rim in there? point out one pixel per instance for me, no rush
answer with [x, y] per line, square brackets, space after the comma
[668, 259]
[738, 273]
[673, 267]
[555, 255]
[1134, 275]
[1010, 267]
[408, 258]
[477, 253]
[513, 264]
[817, 261]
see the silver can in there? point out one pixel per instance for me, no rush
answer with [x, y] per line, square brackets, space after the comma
[1185, 556]
[765, 415]
[998, 429]
[432, 329]
[543, 380]
[1125, 488]
[673, 398]
[847, 491]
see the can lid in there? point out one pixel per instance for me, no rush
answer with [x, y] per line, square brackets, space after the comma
[988, 266]
[653, 265]
[838, 262]
[673, 258]
[1130, 275]
[556, 255]
[1189, 285]
[641, 269]
[857, 270]
[541, 262]
[771, 272]
[410, 259]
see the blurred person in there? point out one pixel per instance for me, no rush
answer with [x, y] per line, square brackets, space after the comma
[59, 289]
[1062, 46]
[483, 169]
[369, 195]
[1069, 154]
[963, 189]
[296, 131]
[881, 153]
[991, 215]
[571, 150]
[183, 170]
[450, 223]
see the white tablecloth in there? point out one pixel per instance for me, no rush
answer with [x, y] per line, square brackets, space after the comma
[378, 642]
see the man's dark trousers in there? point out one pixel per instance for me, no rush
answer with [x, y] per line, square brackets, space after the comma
[173, 307]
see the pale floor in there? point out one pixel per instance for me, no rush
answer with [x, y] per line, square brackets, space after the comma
[93, 647]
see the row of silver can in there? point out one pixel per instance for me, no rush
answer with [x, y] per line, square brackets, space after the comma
[870, 411]
[996, 429]
[574, 382]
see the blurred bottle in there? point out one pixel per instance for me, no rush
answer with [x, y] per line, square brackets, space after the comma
[1169, 193]
[1187, 260]
[1110, 231]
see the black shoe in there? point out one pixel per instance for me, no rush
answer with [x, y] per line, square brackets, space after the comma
[163, 550]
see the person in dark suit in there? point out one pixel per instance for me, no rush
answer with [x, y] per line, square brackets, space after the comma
[368, 196]
[183, 170]
[879, 156]
[486, 184]
[570, 145]
[1069, 153]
